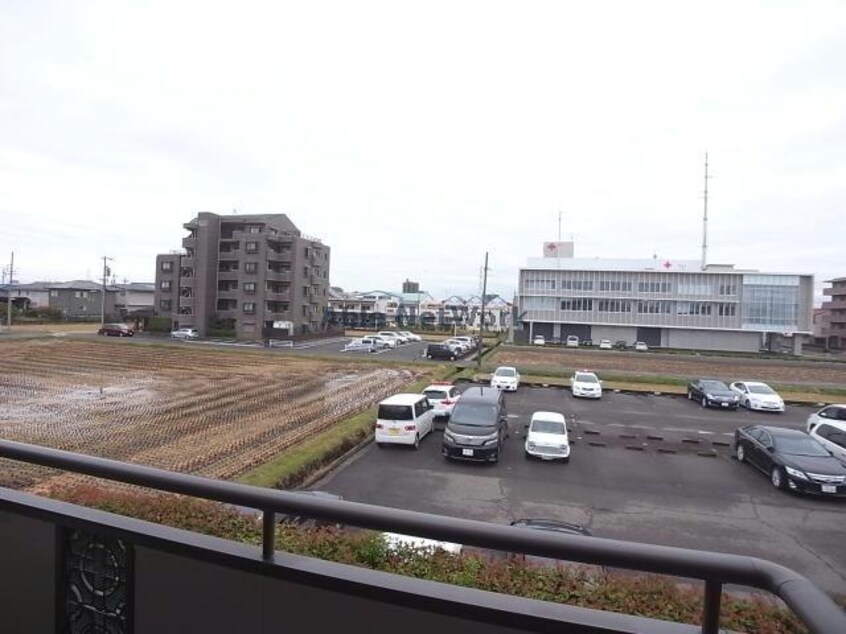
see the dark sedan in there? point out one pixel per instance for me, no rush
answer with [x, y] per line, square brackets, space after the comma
[440, 351]
[792, 459]
[712, 393]
[116, 330]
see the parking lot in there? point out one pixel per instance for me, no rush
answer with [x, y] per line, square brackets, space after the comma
[646, 468]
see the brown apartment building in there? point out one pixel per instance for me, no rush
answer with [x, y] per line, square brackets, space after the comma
[832, 317]
[256, 274]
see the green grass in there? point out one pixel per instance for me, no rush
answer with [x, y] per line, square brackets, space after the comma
[310, 455]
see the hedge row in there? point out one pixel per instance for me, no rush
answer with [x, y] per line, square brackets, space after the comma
[644, 595]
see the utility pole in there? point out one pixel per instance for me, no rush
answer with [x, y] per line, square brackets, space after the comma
[9, 293]
[705, 219]
[482, 316]
[106, 273]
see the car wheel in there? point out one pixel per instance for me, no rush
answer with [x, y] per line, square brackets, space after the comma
[417, 441]
[452, 357]
[704, 402]
[776, 478]
[740, 452]
[565, 460]
[380, 445]
[747, 404]
[428, 356]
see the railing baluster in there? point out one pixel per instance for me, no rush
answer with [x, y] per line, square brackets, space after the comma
[711, 610]
[268, 534]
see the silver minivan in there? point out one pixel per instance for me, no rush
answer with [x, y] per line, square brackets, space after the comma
[831, 434]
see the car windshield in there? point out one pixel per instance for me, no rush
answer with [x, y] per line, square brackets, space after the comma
[714, 385]
[800, 446]
[548, 427]
[435, 395]
[760, 389]
[474, 414]
[507, 372]
[586, 378]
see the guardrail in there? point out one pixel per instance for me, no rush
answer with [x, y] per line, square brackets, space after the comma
[816, 609]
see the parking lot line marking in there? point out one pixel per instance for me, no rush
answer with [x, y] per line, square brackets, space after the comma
[514, 416]
[642, 427]
[702, 431]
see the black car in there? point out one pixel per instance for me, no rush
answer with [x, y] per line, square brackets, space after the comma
[794, 460]
[440, 351]
[712, 393]
[477, 427]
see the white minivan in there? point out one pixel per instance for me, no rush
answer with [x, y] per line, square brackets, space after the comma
[831, 434]
[404, 419]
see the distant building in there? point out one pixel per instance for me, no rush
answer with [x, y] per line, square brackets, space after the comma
[665, 303]
[410, 287]
[81, 299]
[832, 315]
[136, 298]
[255, 274]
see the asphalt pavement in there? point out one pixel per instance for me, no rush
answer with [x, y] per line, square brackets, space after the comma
[625, 485]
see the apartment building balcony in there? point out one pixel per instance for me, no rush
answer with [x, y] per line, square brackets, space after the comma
[186, 282]
[189, 242]
[63, 563]
[278, 275]
[278, 295]
[835, 304]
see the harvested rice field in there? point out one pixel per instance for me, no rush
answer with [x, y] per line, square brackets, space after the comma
[206, 412]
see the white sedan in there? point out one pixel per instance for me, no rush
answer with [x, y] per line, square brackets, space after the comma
[547, 438]
[586, 384]
[539, 340]
[185, 333]
[410, 336]
[754, 395]
[506, 378]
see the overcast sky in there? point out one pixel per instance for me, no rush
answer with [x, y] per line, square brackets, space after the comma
[413, 137]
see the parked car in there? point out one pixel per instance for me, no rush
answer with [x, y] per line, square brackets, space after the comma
[440, 351]
[506, 378]
[621, 344]
[380, 343]
[443, 396]
[539, 340]
[826, 414]
[185, 333]
[359, 345]
[587, 343]
[462, 347]
[572, 341]
[478, 426]
[831, 435]
[755, 395]
[410, 336]
[546, 437]
[792, 459]
[392, 336]
[404, 419]
[640, 346]
[116, 330]
[470, 342]
[586, 384]
[712, 393]
[605, 344]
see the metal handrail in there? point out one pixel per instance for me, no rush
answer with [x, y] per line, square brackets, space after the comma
[815, 608]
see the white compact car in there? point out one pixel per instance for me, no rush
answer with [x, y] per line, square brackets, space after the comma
[442, 396]
[404, 419]
[390, 334]
[506, 378]
[605, 344]
[539, 340]
[546, 437]
[185, 333]
[572, 341]
[641, 346]
[410, 336]
[758, 396]
[586, 384]
[831, 434]
[826, 414]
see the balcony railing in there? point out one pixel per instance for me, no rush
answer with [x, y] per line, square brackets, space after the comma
[278, 276]
[171, 572]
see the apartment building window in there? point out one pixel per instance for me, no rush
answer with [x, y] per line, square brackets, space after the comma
[607, 285]
[249, 308]
[614, 306]
[164, 304]
[579, 304]
[653, 287]
[250, 267]
[164, 285]
[305, 291]
[84, 294]
[251, 247]
[167, 266]
[254, 229]
[54, 293]
[249, 287]
[726, 310]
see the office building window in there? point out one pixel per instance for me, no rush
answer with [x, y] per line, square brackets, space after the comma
[654, 308]
[608, 285]
[579, 304]
[540, 285]
[250, 267]
[693, 308]
[614, 306]
[249, 308]
[653, 287]
[694, 287]
[726, 310]
[577, 285]
[728, 289]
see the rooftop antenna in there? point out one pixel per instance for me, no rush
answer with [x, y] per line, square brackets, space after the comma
[559, 225]
[705, 219]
